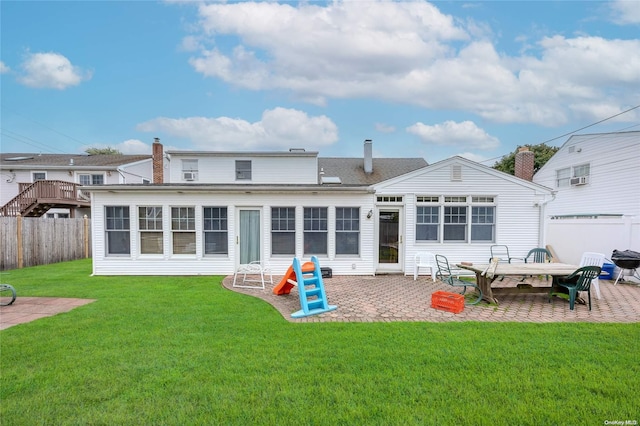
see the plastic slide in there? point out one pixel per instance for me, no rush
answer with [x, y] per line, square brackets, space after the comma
[284, 286]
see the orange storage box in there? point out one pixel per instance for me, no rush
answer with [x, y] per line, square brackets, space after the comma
[445, 301]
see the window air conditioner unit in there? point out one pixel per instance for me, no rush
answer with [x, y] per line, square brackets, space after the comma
[582, 180]
[188, 176]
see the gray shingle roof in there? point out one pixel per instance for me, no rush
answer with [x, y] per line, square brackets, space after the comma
[351, 170]
[22, 160]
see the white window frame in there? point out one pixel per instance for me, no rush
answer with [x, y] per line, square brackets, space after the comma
[189, 169]
[282, 225]
[438, 206]
[352, 223]
[34, 173]
[183, 223]
[150, 223]
[243, 169]
[120, 225]
[91, 178]
[316, 225]
[212, 225]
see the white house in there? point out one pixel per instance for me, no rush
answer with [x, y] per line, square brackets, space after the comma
[49, 185]
[360, 216]
[597, 203]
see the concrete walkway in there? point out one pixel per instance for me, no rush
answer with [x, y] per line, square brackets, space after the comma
[386, 298]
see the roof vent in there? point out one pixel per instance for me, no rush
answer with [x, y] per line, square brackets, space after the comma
[71, 161]
[330, 179]
[297, 150]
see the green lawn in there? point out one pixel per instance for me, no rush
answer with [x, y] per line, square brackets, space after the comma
[183, 351]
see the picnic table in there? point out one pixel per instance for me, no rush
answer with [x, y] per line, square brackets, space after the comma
[487, 273]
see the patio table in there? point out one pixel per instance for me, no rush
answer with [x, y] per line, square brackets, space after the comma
[485, 280]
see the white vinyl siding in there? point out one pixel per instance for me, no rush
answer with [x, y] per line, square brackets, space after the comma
[221, 169]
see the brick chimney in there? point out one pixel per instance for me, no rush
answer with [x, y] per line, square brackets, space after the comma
[158, 161]
[368, 156]
[524, 163]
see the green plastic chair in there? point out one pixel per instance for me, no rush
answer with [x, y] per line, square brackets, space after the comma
[538, 255]
[579, 280]
[444, 274]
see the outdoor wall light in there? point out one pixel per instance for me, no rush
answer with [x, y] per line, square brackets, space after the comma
[369, 214]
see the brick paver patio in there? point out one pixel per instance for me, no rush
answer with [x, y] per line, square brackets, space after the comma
[399, 298]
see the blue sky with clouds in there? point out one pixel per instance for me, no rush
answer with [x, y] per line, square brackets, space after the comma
[420, 79]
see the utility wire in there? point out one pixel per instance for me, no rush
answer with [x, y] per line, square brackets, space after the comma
[575, 131]
[34, 143]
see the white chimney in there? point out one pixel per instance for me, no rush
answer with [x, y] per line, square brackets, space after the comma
[368, 156]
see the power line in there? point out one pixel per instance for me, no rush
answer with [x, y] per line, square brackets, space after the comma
[23, 139]
[574, 131]
[82, 144]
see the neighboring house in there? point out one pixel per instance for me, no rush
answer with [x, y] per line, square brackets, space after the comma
[50, 185]
[360, 216]
[596, 208]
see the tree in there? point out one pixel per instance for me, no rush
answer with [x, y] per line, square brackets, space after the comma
[102, 151]
[542, 152]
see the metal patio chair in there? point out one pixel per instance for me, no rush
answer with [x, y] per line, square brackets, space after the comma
[445, 274]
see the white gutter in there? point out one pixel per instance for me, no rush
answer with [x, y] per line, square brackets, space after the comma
[541, 220]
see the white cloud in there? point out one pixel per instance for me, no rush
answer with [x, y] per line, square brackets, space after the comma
[134, 146]
[465, 134]
[625, 12]
[279, 128]
[51, 71]
[411, 53]
[3, 68]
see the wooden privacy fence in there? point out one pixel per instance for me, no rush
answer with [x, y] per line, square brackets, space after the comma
[30, 241]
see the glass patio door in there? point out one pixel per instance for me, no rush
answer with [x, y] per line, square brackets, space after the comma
[389, 240]
[249, 236]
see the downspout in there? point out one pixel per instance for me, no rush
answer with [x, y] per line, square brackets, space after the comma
[541, 219]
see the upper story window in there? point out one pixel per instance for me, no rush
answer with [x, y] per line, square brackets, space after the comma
[581, 170]
[243, 169]
[562, 177]
[89, 179]
[576, 175]
[189, 170]
[38, 176]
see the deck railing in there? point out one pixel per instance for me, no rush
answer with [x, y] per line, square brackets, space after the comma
[36, 198]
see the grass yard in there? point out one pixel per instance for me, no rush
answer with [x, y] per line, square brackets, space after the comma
[183, 350]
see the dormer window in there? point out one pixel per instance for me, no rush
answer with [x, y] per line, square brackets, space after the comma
[243, 169]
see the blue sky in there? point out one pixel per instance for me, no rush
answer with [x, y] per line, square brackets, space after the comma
[420, 79]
